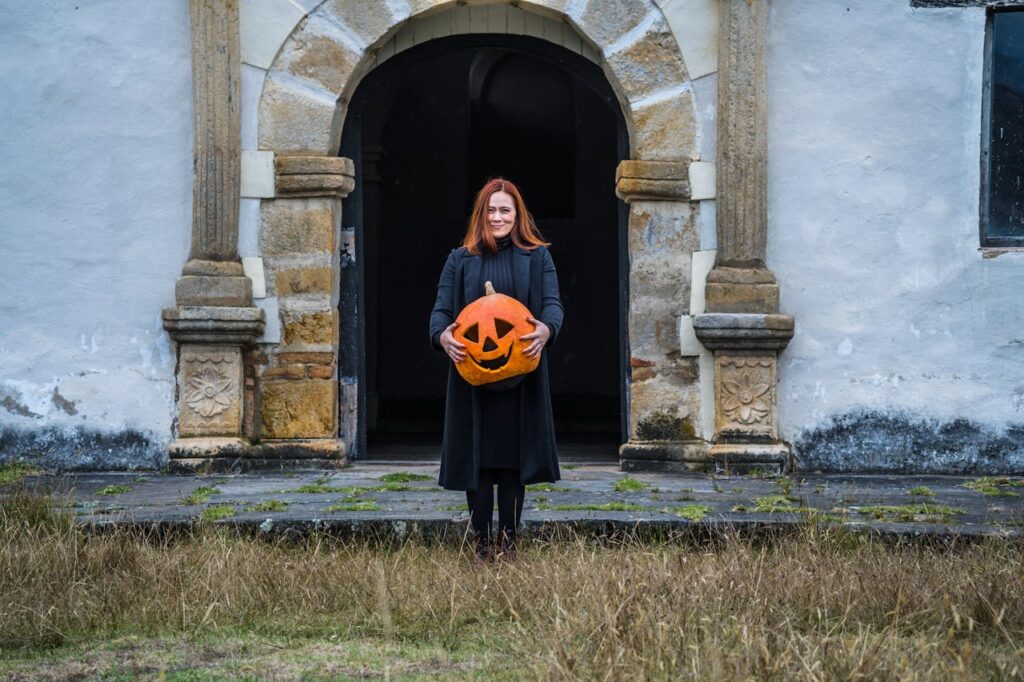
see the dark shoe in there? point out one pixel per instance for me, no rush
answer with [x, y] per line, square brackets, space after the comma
[482, 552]
[506, 545]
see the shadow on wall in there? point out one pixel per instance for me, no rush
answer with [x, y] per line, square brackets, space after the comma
[82, 449]
[903, 442]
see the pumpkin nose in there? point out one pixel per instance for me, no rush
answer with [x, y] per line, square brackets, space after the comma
[489, 345]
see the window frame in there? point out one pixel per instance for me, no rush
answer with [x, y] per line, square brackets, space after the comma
[986, 240]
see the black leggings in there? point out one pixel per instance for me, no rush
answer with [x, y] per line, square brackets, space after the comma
[510, 501]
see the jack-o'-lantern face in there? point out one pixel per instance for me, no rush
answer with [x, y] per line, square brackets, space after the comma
[490, 328]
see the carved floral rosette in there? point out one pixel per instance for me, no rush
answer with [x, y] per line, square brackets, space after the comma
[211, 390]
[745, 396]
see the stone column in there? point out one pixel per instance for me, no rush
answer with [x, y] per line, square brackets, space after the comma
[742, 324]
[664, 397]
[214, 319]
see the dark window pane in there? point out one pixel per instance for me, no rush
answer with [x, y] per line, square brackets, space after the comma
[1005, 220]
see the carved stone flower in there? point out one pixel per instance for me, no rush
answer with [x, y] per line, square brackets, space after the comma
[746, 399]
[207, 391]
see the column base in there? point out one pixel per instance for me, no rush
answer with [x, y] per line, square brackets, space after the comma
[667, 456]
[225, 455]
[748, 458]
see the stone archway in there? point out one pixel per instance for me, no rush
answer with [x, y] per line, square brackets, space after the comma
[302, 110]
[286, 111]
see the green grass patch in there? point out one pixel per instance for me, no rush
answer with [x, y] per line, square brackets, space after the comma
[269, 506]
[690, 512]
[114, 489]
[921, 491]
[922, 512]
[454, 508]
[607, 506]
[319, 488]
[770, 504]
[546, 488]
[13, 472]
[989, 485]
[364, 505]
[351, 490]
[405, 477]
[217, 511]
[200, 495]
[629, 485]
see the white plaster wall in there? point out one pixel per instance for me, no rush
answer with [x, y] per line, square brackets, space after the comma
[874, 118]
[95, 213]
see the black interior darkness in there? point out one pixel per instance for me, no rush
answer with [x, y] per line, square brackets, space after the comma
[426, 129]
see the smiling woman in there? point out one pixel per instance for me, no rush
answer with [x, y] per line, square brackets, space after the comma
[504, 435]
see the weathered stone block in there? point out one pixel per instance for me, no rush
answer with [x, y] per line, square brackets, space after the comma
[742, 298]
[650, 64]
[298, 123]
[295, 226]
[320, 371]
[605, 22]
[310, 328]
[304, 281]
[202, 290]
[210, 391]
[314, 165]
[323, 59]
[369, 25]
[664, 129]
[285, 372]
[299, 409]
[306, 358]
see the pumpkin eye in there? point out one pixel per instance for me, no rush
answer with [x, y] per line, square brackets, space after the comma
[502, 327]
[472, 334]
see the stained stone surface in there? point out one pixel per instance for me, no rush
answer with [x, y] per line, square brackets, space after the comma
[299, 409]
[721, 503]
[298, 123]
[650, 64]
[296, 227]
[664, 130]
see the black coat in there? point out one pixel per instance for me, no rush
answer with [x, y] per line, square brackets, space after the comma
[536, 286]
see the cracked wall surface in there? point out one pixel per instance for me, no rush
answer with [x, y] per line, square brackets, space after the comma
[95, 203]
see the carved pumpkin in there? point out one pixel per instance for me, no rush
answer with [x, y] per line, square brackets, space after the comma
[490, 328]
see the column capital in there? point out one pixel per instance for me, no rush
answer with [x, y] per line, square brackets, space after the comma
[744, 331]
[639, 180]
[313, 176]
[227, 325]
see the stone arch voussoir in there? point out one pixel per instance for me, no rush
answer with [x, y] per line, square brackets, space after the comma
[303, 104]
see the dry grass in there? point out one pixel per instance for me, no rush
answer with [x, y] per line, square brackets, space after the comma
[817, 605]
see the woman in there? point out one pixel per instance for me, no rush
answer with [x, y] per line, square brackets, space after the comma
[502, 435]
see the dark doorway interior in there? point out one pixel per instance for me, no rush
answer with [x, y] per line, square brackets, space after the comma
[426, 129]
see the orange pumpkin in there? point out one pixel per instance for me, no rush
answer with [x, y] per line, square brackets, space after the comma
[490, 328]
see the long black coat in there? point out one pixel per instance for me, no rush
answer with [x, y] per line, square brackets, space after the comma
[536, 286]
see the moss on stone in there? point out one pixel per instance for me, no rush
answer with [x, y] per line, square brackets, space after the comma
[607, 506]
[690, 512]
[629, 484]
[770, 504]
[269, 506]
[404, 477]
[921, 491]
[662, 426]
[989, 485]
[200, 495]
[364, 505]
[921, 512]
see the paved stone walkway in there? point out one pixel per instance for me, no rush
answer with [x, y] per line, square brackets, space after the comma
[403, 499]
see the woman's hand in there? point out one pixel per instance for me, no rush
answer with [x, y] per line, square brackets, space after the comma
[538, 338]
[455, 350]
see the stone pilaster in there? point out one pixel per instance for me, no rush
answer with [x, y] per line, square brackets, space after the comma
[664, 398]
[742, 325]
[214, 320]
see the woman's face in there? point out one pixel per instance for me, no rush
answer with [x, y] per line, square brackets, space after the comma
[501, 214]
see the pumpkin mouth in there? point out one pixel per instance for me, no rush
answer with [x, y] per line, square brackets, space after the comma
[495, 364]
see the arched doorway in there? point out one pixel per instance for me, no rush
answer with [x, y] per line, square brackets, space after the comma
[426, 129]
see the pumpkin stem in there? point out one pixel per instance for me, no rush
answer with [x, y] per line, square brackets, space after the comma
[489, 288]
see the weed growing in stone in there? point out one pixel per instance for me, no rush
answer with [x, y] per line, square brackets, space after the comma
[921, 491]
[606, 506]
[13, 472]
[546, 488]
[114, 489]
[770, 504]
[200, 495]
[269, 506]
[922, 512]
[988, 485]
[217, 511]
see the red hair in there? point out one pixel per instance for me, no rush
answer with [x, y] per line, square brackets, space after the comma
[524, 233]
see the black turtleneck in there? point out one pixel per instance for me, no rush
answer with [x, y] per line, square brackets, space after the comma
[496, 268]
